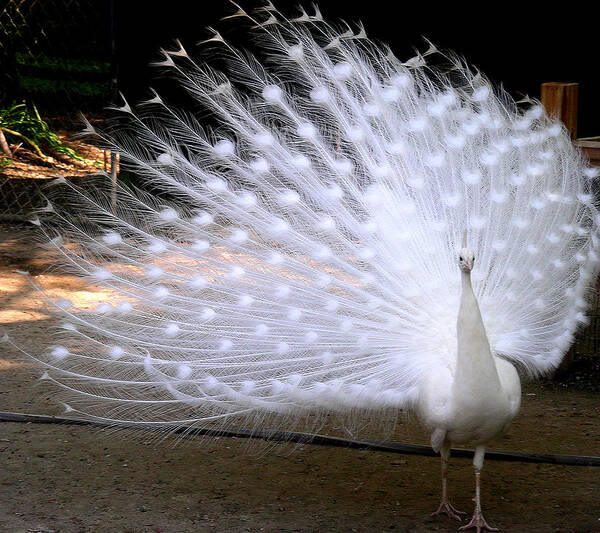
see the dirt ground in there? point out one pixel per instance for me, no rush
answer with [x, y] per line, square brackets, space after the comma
[24, 163]
[77, 479]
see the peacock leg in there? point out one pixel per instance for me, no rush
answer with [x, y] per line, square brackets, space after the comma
[445, 507]
[478, 521]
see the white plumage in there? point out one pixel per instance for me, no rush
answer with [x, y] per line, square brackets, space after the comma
[302, 257]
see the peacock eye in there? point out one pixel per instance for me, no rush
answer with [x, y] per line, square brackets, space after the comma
[460, 258]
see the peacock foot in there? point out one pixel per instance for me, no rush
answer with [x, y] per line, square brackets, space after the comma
[478, 522]
[447, 509]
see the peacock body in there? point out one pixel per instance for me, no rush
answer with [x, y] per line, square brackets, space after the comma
[301, 257]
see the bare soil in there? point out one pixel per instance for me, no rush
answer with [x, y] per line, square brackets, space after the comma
[25, 163]
[77, 479]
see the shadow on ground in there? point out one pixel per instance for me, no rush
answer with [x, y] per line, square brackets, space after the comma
[78, 479]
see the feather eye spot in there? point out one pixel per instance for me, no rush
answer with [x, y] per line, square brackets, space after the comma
[289, 197]
[156, 247]
[307, 130]
[322, 252]
[356, 134]
[239, 236]
[161, 292]
[301, 161]
[371, 109]
[203, 219]
[275, 259]
[112, 237]
[332, 305]
[342, 71]
[184, 371]
[217, 185]
[397, 147]
[115, 352]
[310, 337]
[246, 300]
[282, 292]
[236, 272]
[481, 94]
[246, 199]
[296, 52]
[225, 345]
[260, 165]
[154, 272]
[402, 80]
[346, 325]
[390, 94]
[264, 139]
[471, 177]
[247, 387]
[294, 315]
[168, 215]
[498, 197]
[59, 352]
[272, 93]
[207, 313]
[419, 123]
[327, 357]
[172, 329]
[279, 226]
[224, 148]
[101, 274]
[198, 282]
[456, 141]
[283, 348]
[200, 245]
[104, 308]
[319, 95]
[334, 192]
[261, 330]
[165, 160]
[124, 308]
[325, 223]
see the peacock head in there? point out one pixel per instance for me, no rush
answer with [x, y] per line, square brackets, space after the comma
[466, 260]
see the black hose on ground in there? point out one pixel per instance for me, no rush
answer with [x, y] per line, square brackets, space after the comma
[321, 440]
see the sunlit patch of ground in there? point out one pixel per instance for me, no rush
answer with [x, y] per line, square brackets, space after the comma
[13, 365]
[67, 478]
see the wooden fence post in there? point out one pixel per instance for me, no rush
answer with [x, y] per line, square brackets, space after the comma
[560, 101]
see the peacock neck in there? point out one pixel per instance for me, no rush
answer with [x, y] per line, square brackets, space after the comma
[475, 366]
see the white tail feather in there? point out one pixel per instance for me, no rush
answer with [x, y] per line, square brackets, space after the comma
[302, 257]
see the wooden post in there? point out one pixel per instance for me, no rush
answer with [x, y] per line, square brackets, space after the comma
[560, 101]
[114, 173]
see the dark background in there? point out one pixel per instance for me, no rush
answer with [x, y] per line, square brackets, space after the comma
[518, 46]
[57, 53]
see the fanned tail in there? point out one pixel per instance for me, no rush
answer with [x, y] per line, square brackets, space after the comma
[300, 257]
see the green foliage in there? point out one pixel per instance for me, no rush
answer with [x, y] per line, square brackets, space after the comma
[43, 85]
[63, 64]
[20, 122]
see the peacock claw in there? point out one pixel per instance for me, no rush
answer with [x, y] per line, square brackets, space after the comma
[447, 509]
[478, 522]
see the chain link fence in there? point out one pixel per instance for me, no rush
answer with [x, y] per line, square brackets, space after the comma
[56, 53]
[57, 57]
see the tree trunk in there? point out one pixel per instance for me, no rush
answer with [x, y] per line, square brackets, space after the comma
[4, 145]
